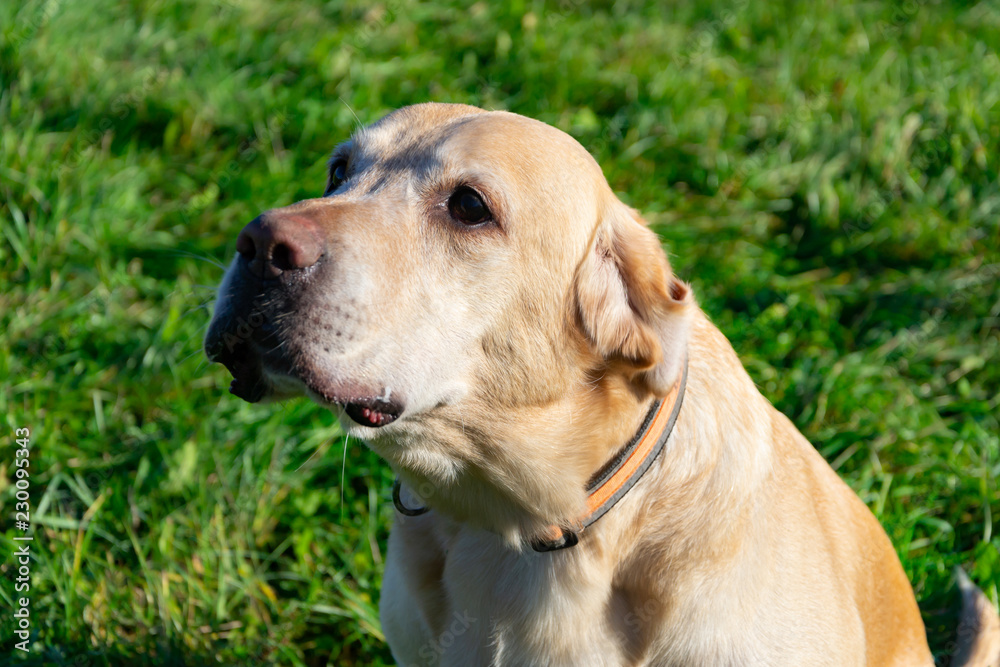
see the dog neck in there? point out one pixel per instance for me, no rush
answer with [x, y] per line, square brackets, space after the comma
[617, 477]
[518, 472]
[581, 454]
[609, 484]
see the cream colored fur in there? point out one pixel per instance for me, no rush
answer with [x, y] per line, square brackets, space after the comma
[527, 352]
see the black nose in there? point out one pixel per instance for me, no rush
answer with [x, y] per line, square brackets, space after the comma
[277, 242]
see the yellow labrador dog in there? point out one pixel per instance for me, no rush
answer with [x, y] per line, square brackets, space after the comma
[587, 475]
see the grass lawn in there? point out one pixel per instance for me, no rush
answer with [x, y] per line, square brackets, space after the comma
[824, 173]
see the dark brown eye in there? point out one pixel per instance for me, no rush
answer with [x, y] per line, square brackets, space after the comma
[338, 174]
[466, 206]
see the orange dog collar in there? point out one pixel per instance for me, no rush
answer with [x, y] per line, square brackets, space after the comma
[620, 474]
[615, 479]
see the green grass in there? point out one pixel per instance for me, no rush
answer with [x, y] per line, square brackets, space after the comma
[824, 173]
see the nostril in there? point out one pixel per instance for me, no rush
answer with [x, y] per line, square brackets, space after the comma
[273, 244]
[245, 245]
[281, 258]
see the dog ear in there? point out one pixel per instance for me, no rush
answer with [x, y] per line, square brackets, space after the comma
[632, 308]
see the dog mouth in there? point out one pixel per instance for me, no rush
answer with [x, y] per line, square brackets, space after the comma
[369, 411]
[257, 377]
[244, 364]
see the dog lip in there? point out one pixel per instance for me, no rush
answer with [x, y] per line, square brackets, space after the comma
[373, 412]
[247, 363]
[251, 391]
[248, 382]
[243, 362]
[370, 411]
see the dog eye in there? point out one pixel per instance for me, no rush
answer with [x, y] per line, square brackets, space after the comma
[338, 174]
[466, 206]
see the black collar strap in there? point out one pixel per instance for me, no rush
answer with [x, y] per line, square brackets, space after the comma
[397, 488]
[612, 481]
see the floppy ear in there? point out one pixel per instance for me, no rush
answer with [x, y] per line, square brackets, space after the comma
[633, 310]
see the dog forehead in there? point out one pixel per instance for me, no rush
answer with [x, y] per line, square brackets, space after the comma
[410, 130]
[428, 138]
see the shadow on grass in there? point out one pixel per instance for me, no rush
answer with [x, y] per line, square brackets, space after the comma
[83, 654]
[940, 612]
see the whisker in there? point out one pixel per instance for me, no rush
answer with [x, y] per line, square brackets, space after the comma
[343, 475]
[199, 350]
[203, 258]
[341, 98]
[193, 310]
[189, 356]
[317, 452]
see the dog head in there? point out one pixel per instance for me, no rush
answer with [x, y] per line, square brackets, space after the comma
[471, 298]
